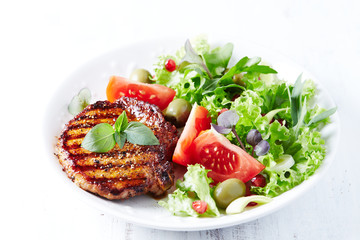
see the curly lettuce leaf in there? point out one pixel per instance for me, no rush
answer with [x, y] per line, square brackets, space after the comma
[195, 181]
[248, 107]
[308, 152]
[179, 204]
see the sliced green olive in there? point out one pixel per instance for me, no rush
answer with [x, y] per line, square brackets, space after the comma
[178, 112]
[141, 75]
[227, 191]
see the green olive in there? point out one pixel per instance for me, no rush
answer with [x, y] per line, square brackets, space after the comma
[237, 78]
[178, 112]
[141, 75]
[227, 191]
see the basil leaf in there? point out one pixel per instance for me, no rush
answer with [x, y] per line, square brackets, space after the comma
[80, 101]
[120, 138]
[322, 116]
[121, 122]
[99, 139]
[138, 133]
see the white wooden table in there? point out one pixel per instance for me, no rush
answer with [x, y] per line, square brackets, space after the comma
[42, 42]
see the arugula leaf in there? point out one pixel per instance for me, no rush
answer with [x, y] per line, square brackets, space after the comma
[210, 85]
[249, 65]
[237, 68]
[99, 139]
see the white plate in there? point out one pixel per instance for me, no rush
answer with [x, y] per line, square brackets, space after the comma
[144, 210]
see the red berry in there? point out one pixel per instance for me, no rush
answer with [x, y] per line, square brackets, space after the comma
[200, 206]
[258, 181]
[170, 65]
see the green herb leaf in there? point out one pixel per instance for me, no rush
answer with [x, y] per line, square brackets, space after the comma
[192, 57]
[218, 59]
[296, 100]
[120, 138]
[99, 139]
[121, 122]
[80, 101]
[250, 65]
[237, 68]
[322, 116]
[138, 133]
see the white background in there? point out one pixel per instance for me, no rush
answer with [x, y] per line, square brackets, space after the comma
[43, 42]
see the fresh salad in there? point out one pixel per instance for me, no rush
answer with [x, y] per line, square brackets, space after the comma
[246, 135]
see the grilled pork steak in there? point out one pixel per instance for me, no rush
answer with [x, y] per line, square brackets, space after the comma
[119, 173]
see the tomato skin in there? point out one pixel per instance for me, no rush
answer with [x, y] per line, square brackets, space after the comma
[152, 93]
[215, 152]
[200, 206]
[197, 122]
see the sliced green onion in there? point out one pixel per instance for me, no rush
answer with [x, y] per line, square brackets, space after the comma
[270, 115]
[238, 205]
[284, 162]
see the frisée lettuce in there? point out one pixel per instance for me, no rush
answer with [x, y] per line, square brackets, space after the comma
[195, 186]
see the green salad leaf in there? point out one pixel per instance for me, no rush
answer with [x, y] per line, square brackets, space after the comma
[196, 182]
[218, 59]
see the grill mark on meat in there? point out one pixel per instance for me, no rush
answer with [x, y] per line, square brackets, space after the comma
[119, 173]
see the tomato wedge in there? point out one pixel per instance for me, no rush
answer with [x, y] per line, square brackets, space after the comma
[226, 160]
[152, 93]
[198, 121]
